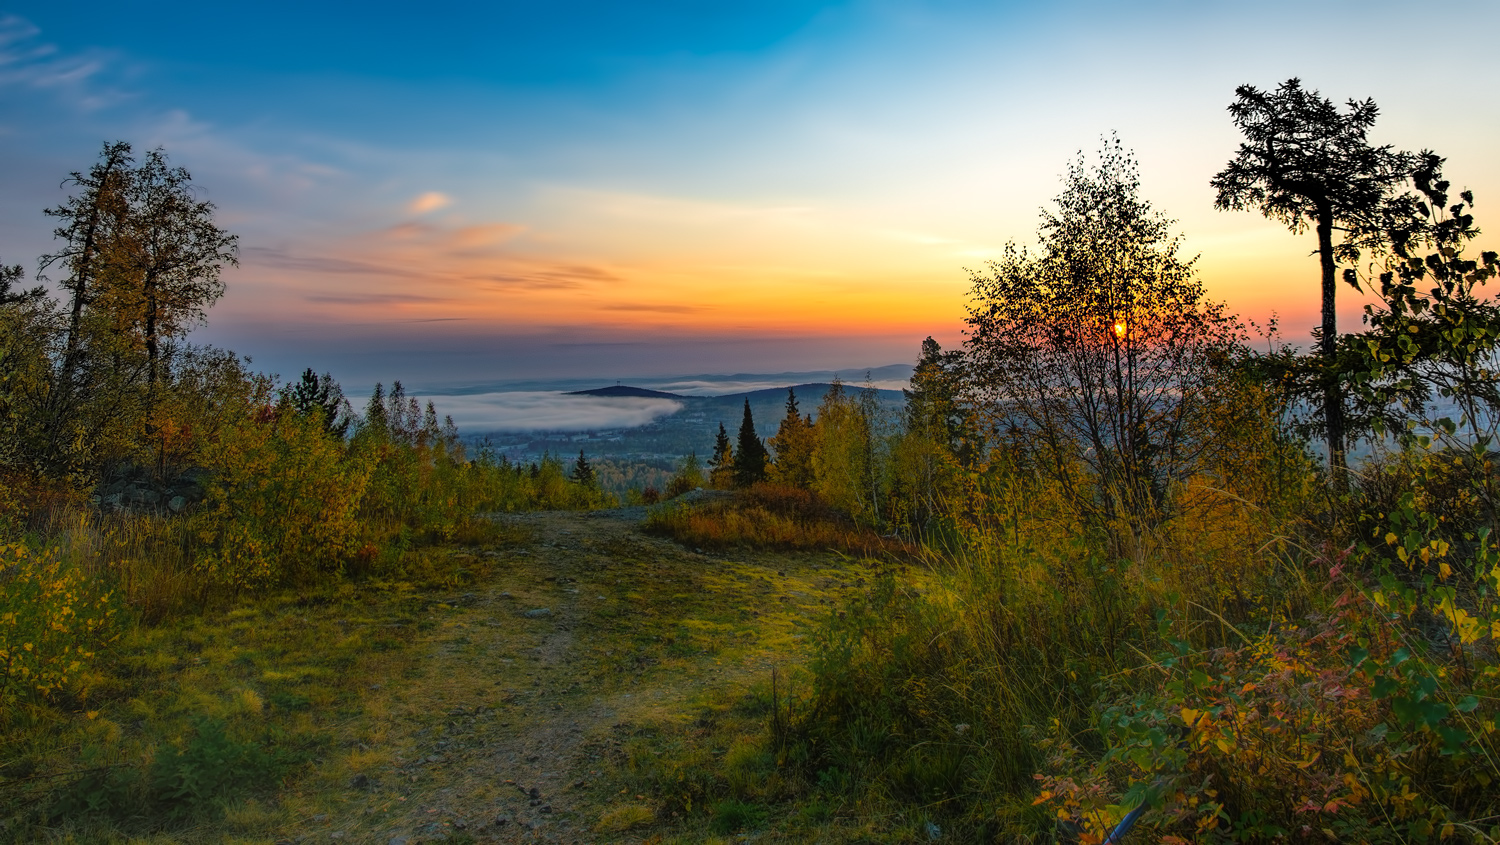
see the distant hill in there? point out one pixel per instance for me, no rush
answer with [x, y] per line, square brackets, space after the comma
[619, 390]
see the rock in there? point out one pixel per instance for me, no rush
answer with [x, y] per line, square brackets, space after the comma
[360, 781]
[502, 821]
[538, 613]
[176, 504]
[545, 808]
[398, 839]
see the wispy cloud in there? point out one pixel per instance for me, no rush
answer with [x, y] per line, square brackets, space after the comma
[428, 202]
[27, 61]
[372, 299]
[654, 308]
[558, 277]
[458, 239]
[272, 257]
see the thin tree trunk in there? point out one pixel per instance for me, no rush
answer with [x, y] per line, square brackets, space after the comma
[1333, 394]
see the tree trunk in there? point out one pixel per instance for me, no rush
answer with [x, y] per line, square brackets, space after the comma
[1333, 394]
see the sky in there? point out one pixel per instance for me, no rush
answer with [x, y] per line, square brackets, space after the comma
[453, 193]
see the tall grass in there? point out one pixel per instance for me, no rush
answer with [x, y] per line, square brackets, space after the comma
[771, 516]
[1241, 675]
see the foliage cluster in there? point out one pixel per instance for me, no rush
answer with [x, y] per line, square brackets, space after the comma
[53, 622]
[1149, 608]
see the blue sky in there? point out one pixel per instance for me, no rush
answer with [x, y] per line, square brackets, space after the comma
[450, 192]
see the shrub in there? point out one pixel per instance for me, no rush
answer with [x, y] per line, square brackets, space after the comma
[770, 516]
[282, 494]
[53, 620]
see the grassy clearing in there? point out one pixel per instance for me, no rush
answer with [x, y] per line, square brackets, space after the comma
[432, 704]
[191, 730]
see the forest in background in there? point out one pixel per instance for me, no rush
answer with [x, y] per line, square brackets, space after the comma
[1152, 604]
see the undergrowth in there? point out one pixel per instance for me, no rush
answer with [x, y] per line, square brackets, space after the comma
[1245, 675]
[770, 516]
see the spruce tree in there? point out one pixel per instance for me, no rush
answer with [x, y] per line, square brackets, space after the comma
[750, 458]
[375, 422]
[721, 465]
[582, 472]
[322, 395]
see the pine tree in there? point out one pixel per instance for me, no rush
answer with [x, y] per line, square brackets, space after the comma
[721, 465]
[582, 472]
[376, 424]
[750, 458]
[322, 395]
[934, 408]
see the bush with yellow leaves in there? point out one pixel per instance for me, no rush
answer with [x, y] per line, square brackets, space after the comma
[53, 620]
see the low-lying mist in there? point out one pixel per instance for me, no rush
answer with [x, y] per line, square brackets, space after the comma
[549, 411]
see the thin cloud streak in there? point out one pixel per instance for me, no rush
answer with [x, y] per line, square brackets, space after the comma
[375, 299]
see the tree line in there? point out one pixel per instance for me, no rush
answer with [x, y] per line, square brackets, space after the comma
[99, 385]
[1096, 360]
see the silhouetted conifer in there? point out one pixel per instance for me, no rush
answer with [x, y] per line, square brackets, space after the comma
[721, 465]
[322, 395]
[582, 472]
[750, 458]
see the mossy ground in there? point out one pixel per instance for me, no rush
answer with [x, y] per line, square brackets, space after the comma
[446, 705]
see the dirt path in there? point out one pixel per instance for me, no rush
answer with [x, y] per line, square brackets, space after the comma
[513, 717]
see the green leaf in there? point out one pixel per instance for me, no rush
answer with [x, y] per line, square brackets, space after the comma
[1358, 656]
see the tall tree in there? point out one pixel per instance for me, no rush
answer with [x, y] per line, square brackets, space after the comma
[1305, 163]
[940, 437]
[1433, 331]
[793, 443]
[750, 457]
[934, 407]
[1101, 347]
[321, 395]
[583, 472]
[170, 254]
[142, 257]
[841, 457]
[721, 465]
[92, 222]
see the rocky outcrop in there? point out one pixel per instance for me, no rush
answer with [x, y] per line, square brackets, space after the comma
[133, 489]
